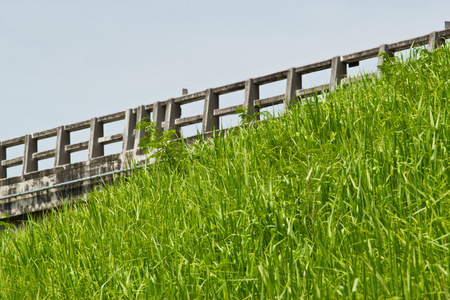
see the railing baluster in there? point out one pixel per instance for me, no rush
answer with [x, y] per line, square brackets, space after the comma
[141, 114]
[251, 94]
[210, 122]
[338, 72]
[29, 163]
[62, 139]
[158, 115]
[434, 42]
[173, 112]
[128, 136]
[95, 148]
[128, 130]
[293, 83]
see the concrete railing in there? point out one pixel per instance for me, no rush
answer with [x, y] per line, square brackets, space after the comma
[37, 190]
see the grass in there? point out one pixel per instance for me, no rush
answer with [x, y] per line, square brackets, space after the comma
[346, 197]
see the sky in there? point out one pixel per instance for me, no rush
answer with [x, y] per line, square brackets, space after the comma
[63, 62]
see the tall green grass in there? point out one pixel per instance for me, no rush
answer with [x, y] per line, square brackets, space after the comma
[344, 197]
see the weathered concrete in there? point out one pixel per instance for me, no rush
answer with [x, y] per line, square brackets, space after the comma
[338, 72]
[95, 148]
[36, 190]
[159, 113]
[434, 41]
[62, 140]
[141, 114]
[361, 55]
[228, 88]
[173, 112]
[41, 196]
[209, 120]
[188, 120]
[231, 110]
[266, 102]
[250, 95]
[30, 164]
[294, 83]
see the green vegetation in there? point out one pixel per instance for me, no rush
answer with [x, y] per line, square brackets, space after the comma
[158, 144]
[345, 197]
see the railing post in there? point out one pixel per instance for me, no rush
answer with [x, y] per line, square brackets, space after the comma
[251, 94]
[338, 72]
[210, 122]
[95, 148]
[128, 136]
[173, 112]
[434, 42]
[128, 130]
[158, 115]
[383, 49]
[62, 157]
[293, 83]
[2, 157]
[141, 113]
[29, 163]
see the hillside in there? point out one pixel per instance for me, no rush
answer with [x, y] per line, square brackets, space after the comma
[347, 196]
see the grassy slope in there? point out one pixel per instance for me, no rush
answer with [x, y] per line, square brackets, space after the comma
[345, 197]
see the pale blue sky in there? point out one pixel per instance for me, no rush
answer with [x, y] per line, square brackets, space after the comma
[63, 62]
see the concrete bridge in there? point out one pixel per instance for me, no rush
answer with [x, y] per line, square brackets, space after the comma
[39, 190]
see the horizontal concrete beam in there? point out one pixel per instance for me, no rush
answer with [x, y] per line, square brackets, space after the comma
[44, 134]
[77, 147]
[44, 154]
[190, 98]
[17, 161]
[78, 126]
[229, 88]
[231, 110]
[325, 88]
[112, 117]
[110, 139]
[362, 55]
[189, 120]
[13, 142]
[314, 67]
[266, 102]
[277, 76]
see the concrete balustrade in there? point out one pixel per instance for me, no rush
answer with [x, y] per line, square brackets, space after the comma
[38, 189]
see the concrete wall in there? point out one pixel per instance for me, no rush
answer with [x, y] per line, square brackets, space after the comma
[38, 190]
